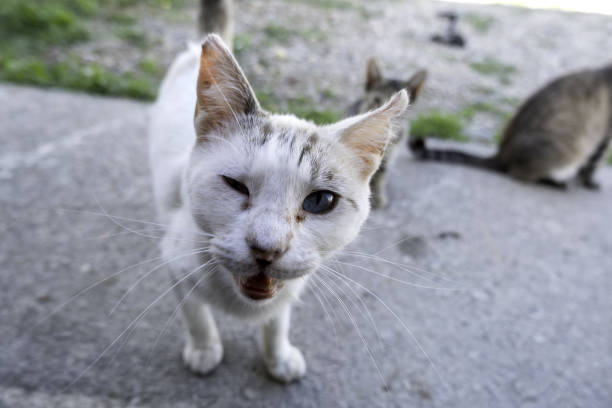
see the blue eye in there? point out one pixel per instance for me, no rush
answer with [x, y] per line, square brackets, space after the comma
[236, 185]
[320, 202]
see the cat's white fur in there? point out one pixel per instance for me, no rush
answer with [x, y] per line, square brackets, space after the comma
[281, 162]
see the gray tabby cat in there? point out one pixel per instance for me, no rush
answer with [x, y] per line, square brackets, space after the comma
[253, 202]
[560, 133]
[377, 90]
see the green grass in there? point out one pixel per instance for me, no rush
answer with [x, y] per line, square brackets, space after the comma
[283, 34]
[301, 107]
[469, 111]
[38, 36]
[610, 160]
[438, 124]
[480, 22]
[328, 4]
[492, 67]
[133, 36]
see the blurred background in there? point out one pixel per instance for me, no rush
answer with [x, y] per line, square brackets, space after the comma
[308, 57]
[523, 317]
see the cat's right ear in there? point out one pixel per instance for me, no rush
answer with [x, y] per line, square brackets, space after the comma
[367, 135]
[373, 74]
[223, 92]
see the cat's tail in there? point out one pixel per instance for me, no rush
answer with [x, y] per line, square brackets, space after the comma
[420, 150]
[216, 17]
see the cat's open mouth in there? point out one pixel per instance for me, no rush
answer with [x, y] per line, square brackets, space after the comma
[259, 287]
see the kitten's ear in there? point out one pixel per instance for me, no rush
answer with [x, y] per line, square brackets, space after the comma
[373, 74]
[223, 92]
[367, 135]
[415, 84]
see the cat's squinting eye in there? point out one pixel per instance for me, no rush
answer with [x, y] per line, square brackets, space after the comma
[236, 185]
[320, 202]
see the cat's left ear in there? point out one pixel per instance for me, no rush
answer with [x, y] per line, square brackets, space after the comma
[415, 84]
[367, 135]
[223, 92]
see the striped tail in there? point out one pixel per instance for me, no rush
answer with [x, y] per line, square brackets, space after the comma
[216, 17]
[420, 150]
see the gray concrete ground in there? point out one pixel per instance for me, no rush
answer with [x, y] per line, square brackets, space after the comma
[528, 322]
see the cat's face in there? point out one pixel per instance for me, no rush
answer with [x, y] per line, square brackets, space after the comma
[278, 194]
[379, 89]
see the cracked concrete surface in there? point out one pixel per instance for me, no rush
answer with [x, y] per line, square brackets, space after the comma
[525, 319]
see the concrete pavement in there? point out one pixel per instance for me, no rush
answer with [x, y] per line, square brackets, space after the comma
[527, 321]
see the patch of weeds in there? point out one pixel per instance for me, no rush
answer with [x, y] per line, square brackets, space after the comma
[492, 67]
[279, 33]
[267, 100]
[77, 75]
[438, 124]
[469, 111]
[305, 109]
[484, 90]
[120, 17]
[133, 36]
[149, 66]
[480, 22]
[51, 22]
[510, 101]
[283, 35]
[301, 107]
[328, 93]
[328, 4]
[38, 36]
[240, 43]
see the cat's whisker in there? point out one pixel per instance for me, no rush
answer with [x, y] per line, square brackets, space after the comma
[314, 287]
[143, 277]
[353, 321]
[364, 307]
[394, 279]
[412, 269]
[90, 287]
[88, 212]
[130, 325]
[401, 322]
[116, 234]
[180, 304]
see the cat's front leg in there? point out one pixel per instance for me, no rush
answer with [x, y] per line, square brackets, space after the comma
[284, 361]
[203, 349]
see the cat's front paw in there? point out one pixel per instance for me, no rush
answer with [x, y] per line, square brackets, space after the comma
[288, 367]
[202, 360]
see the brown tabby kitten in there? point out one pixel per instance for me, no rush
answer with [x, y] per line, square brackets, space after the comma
[559, 133]
[378, 89]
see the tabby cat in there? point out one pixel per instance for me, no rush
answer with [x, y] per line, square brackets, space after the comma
[377, 90]
[560, 133]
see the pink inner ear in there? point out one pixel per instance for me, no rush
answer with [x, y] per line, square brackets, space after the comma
[223, 92]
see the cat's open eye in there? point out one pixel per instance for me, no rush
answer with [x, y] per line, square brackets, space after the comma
[236, 185]
[320, 202]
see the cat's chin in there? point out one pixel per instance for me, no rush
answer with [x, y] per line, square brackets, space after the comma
[258, 287]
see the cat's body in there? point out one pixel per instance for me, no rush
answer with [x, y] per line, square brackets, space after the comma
[561, 132]
[254, 202]
[378, 89]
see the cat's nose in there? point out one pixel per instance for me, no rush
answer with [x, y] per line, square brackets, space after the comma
[265, 255]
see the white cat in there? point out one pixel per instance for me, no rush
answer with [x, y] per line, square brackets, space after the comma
[253, 201]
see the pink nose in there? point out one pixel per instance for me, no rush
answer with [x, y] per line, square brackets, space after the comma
[264, 256]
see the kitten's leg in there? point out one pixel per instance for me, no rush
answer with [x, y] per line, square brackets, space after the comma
[378, 186]
[588, 170]
[284, 361]
[203, 350]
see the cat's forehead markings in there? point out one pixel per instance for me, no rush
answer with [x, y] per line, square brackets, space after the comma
[307, 147]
